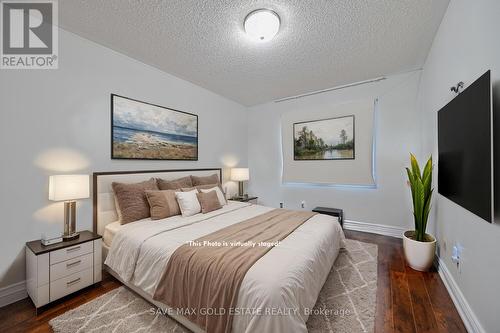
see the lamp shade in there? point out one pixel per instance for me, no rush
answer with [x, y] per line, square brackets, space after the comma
[68, 187]
[240, 174]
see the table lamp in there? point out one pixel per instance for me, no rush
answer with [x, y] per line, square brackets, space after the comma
[240, 175]
[68, 188]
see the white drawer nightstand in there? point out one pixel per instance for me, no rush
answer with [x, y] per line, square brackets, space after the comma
[57, 270]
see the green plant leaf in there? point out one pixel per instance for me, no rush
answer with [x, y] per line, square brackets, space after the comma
[414, 167]
[425, 215]
[419, 203]
[427, 182]
[421, 191]
[412, 186]
[415, 219]
[427, 169]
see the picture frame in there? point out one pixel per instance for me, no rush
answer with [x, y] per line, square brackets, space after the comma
[147, 131]
[327, 139]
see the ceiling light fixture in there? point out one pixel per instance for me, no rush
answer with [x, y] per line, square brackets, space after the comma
[262, 24]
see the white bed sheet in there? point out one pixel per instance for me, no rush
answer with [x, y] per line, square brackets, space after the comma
[288, 278]
[110, 231]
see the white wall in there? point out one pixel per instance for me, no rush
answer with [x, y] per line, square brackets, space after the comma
[465, 46]
[58, 121]
[397, 134]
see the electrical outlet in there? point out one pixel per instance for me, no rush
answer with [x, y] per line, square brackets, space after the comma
[303, 204]
[457, 256]
[281, 205]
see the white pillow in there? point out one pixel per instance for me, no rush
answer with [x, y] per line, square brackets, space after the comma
[220, 195]
[188, 202]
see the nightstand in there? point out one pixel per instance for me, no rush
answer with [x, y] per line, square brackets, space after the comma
[57, 270]
[332, 212]
[249, 199]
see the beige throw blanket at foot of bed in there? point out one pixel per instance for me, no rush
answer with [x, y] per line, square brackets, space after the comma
[206, 274]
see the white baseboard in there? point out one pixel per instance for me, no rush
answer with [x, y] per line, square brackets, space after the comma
[380, 229]
[13, 293]
[468, 317]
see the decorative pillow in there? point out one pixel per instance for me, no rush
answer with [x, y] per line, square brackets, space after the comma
[213, 179]
[188, 202]
[162, 204]
[209, 201]
[218, 192]
[132, 202]
[118, 211]
[201, 187]
[188, 189]
[208, 186]
[174, 184]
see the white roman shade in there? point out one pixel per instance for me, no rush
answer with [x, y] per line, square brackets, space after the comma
[358, 171]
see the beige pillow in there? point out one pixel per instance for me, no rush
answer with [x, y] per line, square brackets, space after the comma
[220, 195]
[162, 204]
[188, 189]
[208, 201]
[202, 187]
[213, 179]
[174, 184]
[131, 198]
[118, 211]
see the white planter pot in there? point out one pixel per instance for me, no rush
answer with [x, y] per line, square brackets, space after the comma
[419, 255]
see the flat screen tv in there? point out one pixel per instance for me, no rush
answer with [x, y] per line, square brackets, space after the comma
[465, 143]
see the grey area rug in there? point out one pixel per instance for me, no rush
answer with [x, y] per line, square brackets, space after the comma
[345, 304]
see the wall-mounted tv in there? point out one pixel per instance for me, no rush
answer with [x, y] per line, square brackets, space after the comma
[465, 143]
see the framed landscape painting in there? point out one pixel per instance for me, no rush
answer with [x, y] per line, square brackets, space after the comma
[146, 131]
[325, 139]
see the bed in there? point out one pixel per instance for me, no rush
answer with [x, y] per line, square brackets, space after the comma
[275, 292]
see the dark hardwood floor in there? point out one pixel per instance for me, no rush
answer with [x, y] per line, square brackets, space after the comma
[407, 300]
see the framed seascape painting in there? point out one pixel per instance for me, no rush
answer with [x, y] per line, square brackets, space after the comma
[146, 131]
[325, 139]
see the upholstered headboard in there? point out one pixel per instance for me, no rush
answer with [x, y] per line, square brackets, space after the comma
[103, 198]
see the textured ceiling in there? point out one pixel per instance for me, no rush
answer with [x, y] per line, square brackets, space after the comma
[320, 44]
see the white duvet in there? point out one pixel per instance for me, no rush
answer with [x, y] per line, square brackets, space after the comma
[278, 289]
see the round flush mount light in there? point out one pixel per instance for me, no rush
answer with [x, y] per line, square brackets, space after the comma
[262, 24]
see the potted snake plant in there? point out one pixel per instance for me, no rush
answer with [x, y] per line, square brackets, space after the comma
[420, 247]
